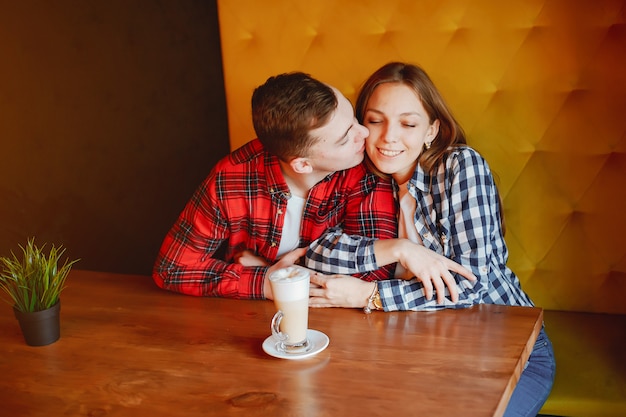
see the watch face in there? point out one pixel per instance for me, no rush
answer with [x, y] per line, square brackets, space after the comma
[377, 303]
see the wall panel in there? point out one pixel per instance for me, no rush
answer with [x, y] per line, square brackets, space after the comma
[539, 86]
[111, 113]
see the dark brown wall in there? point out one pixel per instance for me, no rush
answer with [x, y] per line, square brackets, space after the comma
[111, 113]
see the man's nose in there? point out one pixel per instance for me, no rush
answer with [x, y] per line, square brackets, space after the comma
[364, 132]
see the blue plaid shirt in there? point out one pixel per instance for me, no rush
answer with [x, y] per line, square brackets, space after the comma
[458, 216]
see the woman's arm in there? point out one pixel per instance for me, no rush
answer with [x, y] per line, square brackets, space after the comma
[472, 212]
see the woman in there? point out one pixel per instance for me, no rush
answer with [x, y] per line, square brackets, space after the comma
[448, 203]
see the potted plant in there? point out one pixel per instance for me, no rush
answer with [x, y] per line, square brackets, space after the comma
[34, 284]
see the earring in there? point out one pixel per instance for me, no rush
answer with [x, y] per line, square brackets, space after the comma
[427, 145]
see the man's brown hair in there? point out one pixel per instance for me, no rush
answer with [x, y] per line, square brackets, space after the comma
[286, 108]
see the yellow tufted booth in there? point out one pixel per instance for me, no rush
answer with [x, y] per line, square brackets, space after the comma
[540, 88]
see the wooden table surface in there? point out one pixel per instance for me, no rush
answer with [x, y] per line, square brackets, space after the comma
[128, 348]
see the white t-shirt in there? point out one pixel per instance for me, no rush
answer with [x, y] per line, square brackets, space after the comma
[290, 238]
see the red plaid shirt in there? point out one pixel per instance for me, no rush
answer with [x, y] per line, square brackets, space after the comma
[242, 205]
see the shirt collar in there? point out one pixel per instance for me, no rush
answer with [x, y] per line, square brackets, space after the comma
[420, 180]
[275, 180]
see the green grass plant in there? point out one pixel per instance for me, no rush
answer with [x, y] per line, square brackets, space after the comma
[34, 282]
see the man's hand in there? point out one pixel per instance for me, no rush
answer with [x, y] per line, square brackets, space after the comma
[288, 259]
[248, 258]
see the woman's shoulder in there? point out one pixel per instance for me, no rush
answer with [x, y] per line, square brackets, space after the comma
[466, 156]
[464, 152]
[467, 162]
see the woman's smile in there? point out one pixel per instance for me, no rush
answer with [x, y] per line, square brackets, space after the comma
[389, 153]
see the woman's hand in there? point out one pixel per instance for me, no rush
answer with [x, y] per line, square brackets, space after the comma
[427, 266]
[433, 270]
[339, 291]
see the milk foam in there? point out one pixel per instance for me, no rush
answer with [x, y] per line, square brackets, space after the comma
[290, 284]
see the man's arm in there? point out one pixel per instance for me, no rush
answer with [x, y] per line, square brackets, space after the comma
[192, 269]
[187, 261]
[370, 215]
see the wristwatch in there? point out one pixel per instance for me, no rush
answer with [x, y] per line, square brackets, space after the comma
[374, 300]
[378, 305]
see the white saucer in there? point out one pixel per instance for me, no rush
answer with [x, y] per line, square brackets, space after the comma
[318, 339]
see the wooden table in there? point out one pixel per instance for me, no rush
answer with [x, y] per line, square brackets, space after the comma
[128, 348]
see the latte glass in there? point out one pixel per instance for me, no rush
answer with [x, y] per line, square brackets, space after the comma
[290, 287]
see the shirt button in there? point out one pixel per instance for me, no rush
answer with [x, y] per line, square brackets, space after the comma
[427, 236]
[273, 244]
[280, 211]
[483, 269]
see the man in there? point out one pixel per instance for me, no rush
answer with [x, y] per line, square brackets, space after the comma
[275, 195]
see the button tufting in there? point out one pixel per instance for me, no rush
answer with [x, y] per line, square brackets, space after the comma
[531, 108]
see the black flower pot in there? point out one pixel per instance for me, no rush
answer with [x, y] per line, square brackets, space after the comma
[40, 328]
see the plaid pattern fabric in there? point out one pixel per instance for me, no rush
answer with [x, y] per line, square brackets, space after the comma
[458, 216]
[242, 205]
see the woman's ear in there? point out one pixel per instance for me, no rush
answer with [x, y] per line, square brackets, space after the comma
[433, 130]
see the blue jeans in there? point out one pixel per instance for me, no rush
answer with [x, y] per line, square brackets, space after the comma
[536, 381]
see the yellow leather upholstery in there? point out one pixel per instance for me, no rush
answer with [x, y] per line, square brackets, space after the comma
[539, 86]
[590, 364]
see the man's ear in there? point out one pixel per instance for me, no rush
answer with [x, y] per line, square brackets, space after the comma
[301, 165]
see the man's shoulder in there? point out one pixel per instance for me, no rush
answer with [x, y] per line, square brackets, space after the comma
[361, 180]
[356, 173]
[249, 153]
